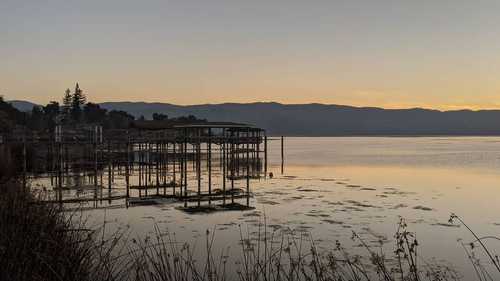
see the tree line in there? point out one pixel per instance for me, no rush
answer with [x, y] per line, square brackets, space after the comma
[74, 109]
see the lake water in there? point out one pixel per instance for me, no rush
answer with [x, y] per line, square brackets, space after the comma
[333, 186]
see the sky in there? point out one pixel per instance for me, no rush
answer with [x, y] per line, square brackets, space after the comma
[393, 54]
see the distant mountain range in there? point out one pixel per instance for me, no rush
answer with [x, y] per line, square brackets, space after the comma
[324, 120]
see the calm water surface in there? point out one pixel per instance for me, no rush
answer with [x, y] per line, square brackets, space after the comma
[332, 186]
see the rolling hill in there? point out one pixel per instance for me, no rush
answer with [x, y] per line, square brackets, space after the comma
[331, 120]
[324, 120]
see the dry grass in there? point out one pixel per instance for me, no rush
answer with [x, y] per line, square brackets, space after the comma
[39, 242]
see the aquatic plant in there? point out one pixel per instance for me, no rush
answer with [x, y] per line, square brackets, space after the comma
[282, 255]
[481, 271]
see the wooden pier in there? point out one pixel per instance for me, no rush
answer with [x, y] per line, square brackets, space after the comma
[207, 163]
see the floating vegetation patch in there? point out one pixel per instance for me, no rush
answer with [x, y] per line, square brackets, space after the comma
[446, 224]
[293, 198]
[215, 208]
[234, 191]
[268, 202]
[276, 192]
[318, 215]
[252, 214]
[397, 192]
[399, 206]
[301, 189]
[199, 209]
[143, 201]
[332, 221]
[360, 204]
[368, 189]
[353, 185]
[338, 203]
[236, 207]
[351, 208]
[327, 179]
[423, 208]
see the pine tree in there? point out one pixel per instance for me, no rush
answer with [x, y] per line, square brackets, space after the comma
[78, 101]
[67, 101]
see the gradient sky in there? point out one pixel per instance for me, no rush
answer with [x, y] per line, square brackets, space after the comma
[438, 54]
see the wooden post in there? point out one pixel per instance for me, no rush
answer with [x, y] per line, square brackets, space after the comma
[59, 170]
[258, 163]
[165, 159]
[127, 169]
[265, 155]
[232, 167]
[95, 169]
[24, 163]
[51, 158]
[140, 166]
[148, 167]
[174, 165]
[157, 165]
[209, 165]
[282, 154]
[223, 144]
[109, 170]
[185, 168]
[198, 163]
[248, 167]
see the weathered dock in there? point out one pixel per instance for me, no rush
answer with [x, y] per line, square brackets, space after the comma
[192, 163]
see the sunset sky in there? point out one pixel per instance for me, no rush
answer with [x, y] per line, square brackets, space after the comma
[437, 54]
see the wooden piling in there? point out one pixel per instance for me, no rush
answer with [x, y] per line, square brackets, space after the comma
[282, 154]
[209, 160]
[248, 167]
[127, 169]
[265, 155]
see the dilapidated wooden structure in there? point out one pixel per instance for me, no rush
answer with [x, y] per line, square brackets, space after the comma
[209, 163]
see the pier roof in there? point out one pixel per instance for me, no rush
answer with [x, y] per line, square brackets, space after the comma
[162, 125]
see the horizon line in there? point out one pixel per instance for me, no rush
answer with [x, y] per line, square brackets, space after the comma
[291, 104]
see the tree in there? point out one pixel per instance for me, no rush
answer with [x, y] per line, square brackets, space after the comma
[160, 117]
[189, 119]
[11, 113]
[67, 100]
[78, 101]
[5, 123]
[51, 111]
[118, 119]
[36, 120]
[93, 113]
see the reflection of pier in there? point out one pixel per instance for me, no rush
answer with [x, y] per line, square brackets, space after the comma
[207, 162]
